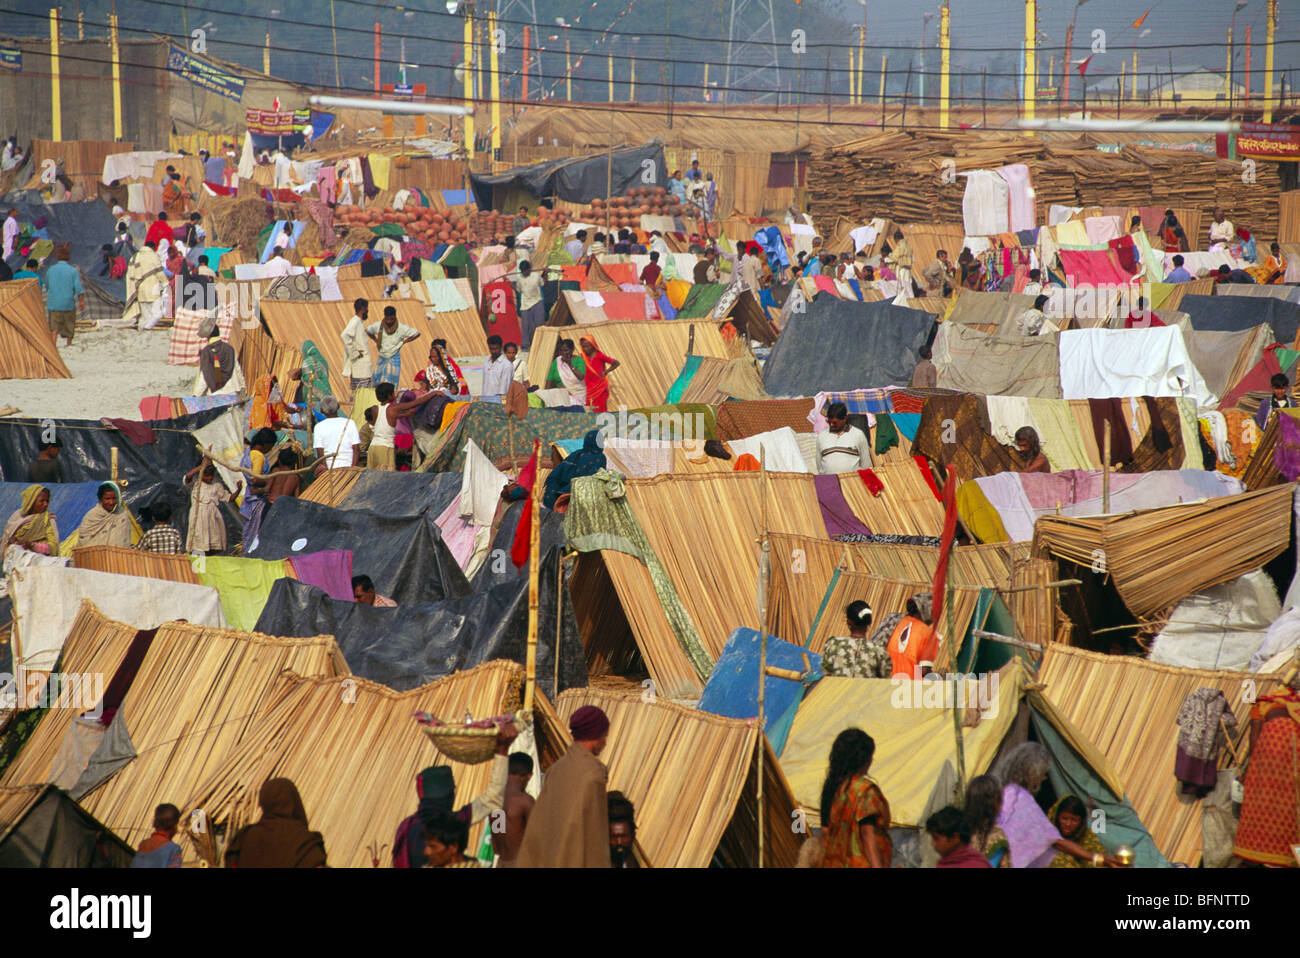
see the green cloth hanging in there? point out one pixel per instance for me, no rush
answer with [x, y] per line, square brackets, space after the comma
[886, 434]
[684, 379]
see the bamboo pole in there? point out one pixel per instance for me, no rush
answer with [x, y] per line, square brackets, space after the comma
[534, 561]
[468, 81]
[945, 65]
[117, 77]
[764, 571]
[1105, 469]
[494, 85]
[56, 105]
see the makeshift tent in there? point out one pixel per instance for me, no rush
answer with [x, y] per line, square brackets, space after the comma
[402, 493]
[69, 502]
[1129, 707]
[418, 642]
[689, 815]
[1221, 627]
[28, 349]
[362, 726]
[490, 427]
[1157, 556]
[835, 344]
[915, 740]
[86, 226]
[42, 827]
[1224, 357]
[578, 179]
[405, 556]
[184, 698]
[1244, 312]
[991, 364]
[1100, 363]
[650, 355]
[47, 600]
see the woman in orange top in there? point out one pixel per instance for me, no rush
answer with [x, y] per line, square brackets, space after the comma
[855, 814]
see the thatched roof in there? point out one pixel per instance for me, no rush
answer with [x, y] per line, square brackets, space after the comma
[28, 349]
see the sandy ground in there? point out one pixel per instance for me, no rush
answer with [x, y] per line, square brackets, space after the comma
[112, 370]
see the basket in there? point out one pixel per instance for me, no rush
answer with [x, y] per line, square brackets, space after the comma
[470, 746]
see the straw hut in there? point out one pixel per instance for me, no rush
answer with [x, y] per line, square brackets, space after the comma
[1129, 707]
[693, 779]
[123, 561]
[462, 327]
[27, 345]
[375, 749]
[185, 703]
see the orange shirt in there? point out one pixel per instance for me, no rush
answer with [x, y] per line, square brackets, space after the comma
[912, 643]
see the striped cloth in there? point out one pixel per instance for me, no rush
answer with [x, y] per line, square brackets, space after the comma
[183, 348]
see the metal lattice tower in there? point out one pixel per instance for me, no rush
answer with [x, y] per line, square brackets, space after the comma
[516, 14]
[753, 60]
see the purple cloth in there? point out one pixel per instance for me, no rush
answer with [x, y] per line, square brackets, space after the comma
[839, 518]
[330, 569]
[1286, 454]
[1030, 833]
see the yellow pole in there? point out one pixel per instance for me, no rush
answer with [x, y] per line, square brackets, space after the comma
[884, 62]
[56, 105]
[1268, 62]
[1227, 70]
[706, 80]
[1133, 92]
[81, 25]
[117, 78]
[266, 55]
[469, 85]
[568, 70]
[853, 79]
[862, 63]
[945, 64]
[1031, 72]
[611, 78]
[631, 88]
[495, 75]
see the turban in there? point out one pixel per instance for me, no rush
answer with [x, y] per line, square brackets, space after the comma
[588, 724]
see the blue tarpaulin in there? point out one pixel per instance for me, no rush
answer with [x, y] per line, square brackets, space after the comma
[773, 245]
[732, 689]
[69, 501]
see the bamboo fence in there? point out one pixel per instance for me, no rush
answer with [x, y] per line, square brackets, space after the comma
[333, 487]
[193, 699]
[462, 328]
[124, 561]
[692, 778]
[1158, 556]
[650, 354]
[1128, 708]
[354, 750]
[1288, 219]
[28, 349]
[907, 506]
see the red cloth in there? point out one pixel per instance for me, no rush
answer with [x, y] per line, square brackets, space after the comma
[522, 545]
[503, 317]
[871, 481]
[650, 275]
[1125, 253]
[137, 432]
[1138, 320]
[963, 856]
[159, 231]
[924, 465]
[219, 189]
[902, 402]
[155, 407]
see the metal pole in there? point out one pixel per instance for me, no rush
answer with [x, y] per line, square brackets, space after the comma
[1031, 71]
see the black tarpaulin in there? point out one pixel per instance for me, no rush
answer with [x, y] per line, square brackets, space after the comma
[404, 556]
[403, 493]
[578, 180]
[407, 646]
[1231, 313]
[53, 831]
[87, 226]
[836, 345]
[153, 472]
[498, 568]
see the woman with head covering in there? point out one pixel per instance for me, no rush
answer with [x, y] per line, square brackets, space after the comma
[983, 803]
[1033, 839]
[587, 461]
[1030, 451]
[32, 526]
[1070, 816]
[599, 366]
[855, 814]
[1171, 234]
[261, 415]
[281, 839]
[568, 372]
[315, 373]
[438, 375]
[108, 523]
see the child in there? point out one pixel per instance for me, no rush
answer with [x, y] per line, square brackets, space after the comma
[283, 480]
[207, 531]
[158, 850]
[367, 433]
[445, 838]
[162, 537]
[1280, 399]
[517, 361]
[950, 836]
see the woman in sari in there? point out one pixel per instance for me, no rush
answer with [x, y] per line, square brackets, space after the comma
[1272, 270]
[587, 461]
[1070, 816]
[855, 814]
[32, 526]
[462, 387]
[599, 366]
[281, 838]
[1172, 235]
[315, 374]
[568, 372]
[438, 375]
[256, 462]
[1033, 839]
[1269, 826]
[108, 523]
[983, 803]
[260, 413]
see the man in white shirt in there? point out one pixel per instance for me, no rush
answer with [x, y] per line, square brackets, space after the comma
[1035, 284]
[498, 373]
[356, 348]
[532, 311]
[10, 233]
[1221, 230]
[841, 448]
[751, 270]
[277, 265]
[1033, 321]
[336, 439]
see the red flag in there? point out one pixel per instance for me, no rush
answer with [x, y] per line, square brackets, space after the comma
[520, 548]
[1138, 22]
[945, 545]
[1083, 67]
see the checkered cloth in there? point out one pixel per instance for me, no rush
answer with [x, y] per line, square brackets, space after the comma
[183, 350]
[164, 539]
[862, 402]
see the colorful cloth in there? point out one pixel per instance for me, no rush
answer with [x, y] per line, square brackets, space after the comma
[388, 369]
[857, 802]
[856, 658]
[1030, 833]
[1082, 836]
[1270, 810]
